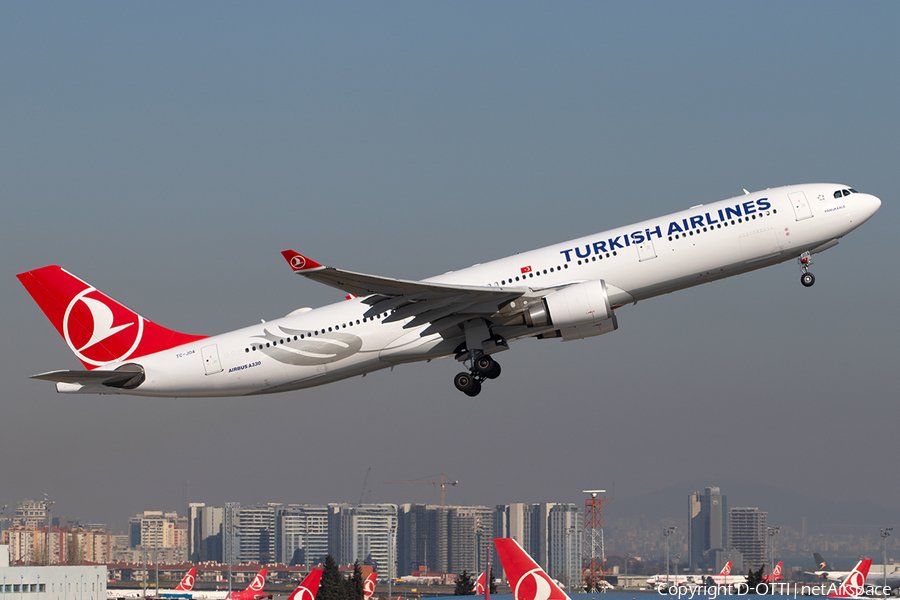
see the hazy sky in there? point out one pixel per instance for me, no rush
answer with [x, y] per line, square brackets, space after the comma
[167, 152]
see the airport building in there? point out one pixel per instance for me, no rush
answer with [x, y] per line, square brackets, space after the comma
[748, 535]
[51, 582]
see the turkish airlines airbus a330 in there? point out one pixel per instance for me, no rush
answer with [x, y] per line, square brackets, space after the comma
[568, 291]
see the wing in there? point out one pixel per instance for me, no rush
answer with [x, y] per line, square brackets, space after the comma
[441, 305]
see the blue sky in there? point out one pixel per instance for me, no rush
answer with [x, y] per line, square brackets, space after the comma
[167, 152]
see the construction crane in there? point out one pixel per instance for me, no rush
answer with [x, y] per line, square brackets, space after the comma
[362, 494]
[443, 483]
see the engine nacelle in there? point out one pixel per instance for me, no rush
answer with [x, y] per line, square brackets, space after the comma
[578, 304]
[577, 311]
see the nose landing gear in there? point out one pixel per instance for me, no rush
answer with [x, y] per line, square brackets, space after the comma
[806, 278]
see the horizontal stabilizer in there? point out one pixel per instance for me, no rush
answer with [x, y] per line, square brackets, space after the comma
[127, 376]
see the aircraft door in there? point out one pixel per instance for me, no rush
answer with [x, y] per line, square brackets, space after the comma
[645, 250]
[802, 210]
[211, 362]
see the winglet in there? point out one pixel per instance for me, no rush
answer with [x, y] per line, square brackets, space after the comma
[300, 263]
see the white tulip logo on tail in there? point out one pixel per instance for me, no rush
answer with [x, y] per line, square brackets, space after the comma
[369, 585]
[855, 584]
[90, 311]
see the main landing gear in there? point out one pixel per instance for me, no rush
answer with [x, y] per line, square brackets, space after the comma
[483, 367]
[806, 278]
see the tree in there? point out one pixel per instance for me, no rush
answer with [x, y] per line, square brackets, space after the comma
[754, 579]
[332, 586]
[492, 581]
[464, 585]
[355, 584]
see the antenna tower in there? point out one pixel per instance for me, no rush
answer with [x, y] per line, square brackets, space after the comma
[593, 558]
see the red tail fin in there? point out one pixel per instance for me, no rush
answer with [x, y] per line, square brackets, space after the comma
[854, 585]
[526, 578]
[479, 585]
[308, 587]
[369, 585]
[259, 582]
[726, 570]
[97, 329]
[187, 584]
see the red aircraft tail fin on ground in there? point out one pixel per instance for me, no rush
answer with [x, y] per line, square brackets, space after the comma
[369, 585]
[479, 585]
[308, 587]
[187, 583]
[854, 585]
[526, 578]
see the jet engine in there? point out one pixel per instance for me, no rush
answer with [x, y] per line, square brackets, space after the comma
[577, 311]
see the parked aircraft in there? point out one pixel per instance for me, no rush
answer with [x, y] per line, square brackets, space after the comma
[569, 291]
[479, 585]
[724, 577]
[308, 587]
[854, 586]
[254, 591]
[876, 575]
[775, 575]
[369, 585]
[527, 579]
[182, 590]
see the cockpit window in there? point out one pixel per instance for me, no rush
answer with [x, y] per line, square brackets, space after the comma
[837, 194]
[852, 191]
[846, 192]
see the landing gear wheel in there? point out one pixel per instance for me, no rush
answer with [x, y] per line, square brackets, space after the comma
[483, 365]
[466, 383]
[493, 372]
[807, 279]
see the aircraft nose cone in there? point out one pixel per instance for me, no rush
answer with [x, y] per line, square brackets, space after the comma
[873, 204]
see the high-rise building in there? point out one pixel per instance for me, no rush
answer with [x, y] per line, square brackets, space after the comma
[302, 534]
[748, 535]
[366, 533]
[205, 532]
[256, 531]
[707, 517]
[565, 529]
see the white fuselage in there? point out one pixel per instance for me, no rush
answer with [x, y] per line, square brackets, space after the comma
[640, 261]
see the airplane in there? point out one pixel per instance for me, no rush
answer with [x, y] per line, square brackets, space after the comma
[526, 578]
[254, 591]
[182, 590]
[876, 574]
[567, 291]
[854, 586]
[723, 578]
[369, 585]
[775, 575]
[479, 585]
[308, 587]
